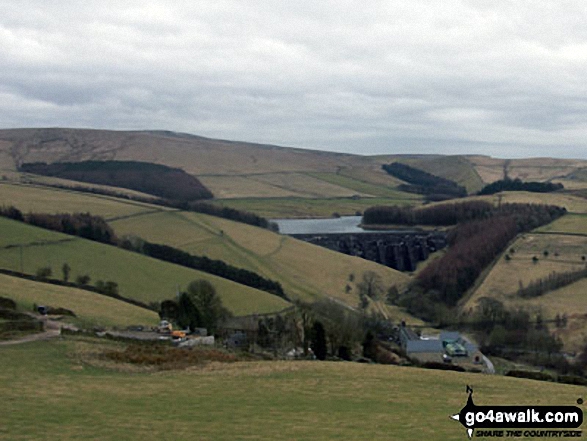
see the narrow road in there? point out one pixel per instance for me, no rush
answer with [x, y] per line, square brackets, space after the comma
[52, 330]
[489, 364]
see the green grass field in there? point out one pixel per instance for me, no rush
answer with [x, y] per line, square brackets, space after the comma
[277, 208]
[61, 397]
[139, 277]
[564, 255]
[569, 224]
[91, 309]
[29, 198]
[367, 188]
[305, 271]
[455, 168]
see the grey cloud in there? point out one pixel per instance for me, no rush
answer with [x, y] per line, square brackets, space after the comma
[452, 77]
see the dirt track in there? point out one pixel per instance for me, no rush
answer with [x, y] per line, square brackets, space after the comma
[52, 330]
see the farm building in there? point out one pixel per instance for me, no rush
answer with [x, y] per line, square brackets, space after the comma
[446, 347]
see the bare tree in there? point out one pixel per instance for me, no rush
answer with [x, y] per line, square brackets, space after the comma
[370, 285]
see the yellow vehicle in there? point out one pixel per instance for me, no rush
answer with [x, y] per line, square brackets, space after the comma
[177, 334]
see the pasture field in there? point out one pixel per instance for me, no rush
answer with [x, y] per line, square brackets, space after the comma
[530, 169]
[27, 178]
[573, 204]
[68, 398]
[504, 278]
[305, 271]
[569, 224]
[366, 188]
[455, 168]
[281, 208]
[305, 185]
[229, 187]
[29, 198]
[91, 309]
[138, 277]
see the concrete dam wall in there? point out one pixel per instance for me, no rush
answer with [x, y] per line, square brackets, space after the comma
[399, 250]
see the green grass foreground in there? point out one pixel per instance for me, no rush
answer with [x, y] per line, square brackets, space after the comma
[48, 393]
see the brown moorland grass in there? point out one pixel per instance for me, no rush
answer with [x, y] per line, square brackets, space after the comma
[503, 280]
[564, 255]
[32, 198]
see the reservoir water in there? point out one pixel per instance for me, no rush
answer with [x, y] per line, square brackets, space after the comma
[340, 225]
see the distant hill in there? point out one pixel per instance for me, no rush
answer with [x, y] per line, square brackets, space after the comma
[155, 179]
[271, 180]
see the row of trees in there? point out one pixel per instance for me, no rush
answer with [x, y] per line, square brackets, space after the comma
[212, 266]
[552, 282]
[77, 224]
[442, 215]
[421, 182]
[527, 216]
[211, 209]
[156, 179]
[198, 307]
[95, 228]
[468, 255]
[473, 246]
[515, 333]
[518, 185]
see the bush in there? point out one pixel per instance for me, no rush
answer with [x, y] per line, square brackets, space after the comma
[44, 272]
[532, 375]
[60, 311]
[6, 303]
[83, 280]
[442, 366]
[572, 379]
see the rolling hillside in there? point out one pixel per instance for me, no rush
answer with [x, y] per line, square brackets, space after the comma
[91, 309]
[270, 180]
[305, 271]
[559, 247]
[138, 277]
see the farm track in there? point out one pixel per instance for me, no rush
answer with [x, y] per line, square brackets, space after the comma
[52, 330]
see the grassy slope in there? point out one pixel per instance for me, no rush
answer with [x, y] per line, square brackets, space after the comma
[276, 208]
[531, 169]
[503, 280]
[569, 224]
[455, 168]
[305, 270]
[91, 309]
[138, 276]
[49, 200]
[67, 399]
[568, 237]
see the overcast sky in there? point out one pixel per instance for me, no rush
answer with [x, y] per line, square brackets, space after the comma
[505, 78]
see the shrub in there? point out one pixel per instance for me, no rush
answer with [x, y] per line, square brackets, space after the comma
[532, 375]
[44, 272]
[6, 303]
